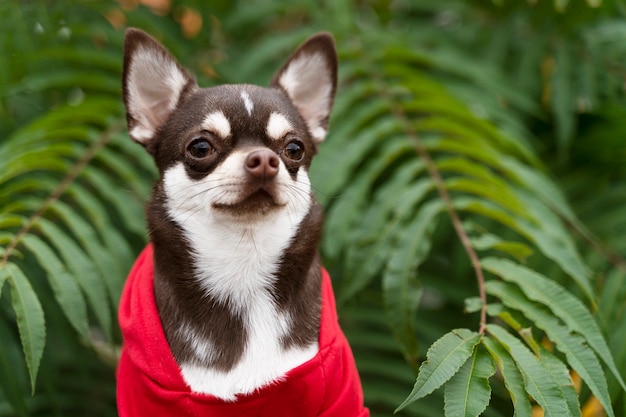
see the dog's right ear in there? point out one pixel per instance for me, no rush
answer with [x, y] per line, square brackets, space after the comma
[153, 82]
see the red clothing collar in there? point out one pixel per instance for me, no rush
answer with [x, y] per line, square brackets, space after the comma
[149, 382]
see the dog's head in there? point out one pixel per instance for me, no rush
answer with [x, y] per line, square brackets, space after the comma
[232, 151]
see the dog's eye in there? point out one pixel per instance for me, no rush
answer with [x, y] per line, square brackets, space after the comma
[294, 151]
[200, 148]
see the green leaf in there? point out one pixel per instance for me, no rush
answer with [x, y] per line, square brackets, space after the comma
[513, 379]
[473, 304]
[401, 292]
[123, 170]
[494, 191]
[386, 202]
[562, 102]
[83, 270]
[612, 296]
[538, 382]
[490, 211]
[90, 231]
[12, 370]
[66, 290]
[30, 320]
[4, 274]
[10, 220]
[579, 355]
[339, 166]
[487, 241]
[443, 360]
[130, 211]
[381, 224]
[468, 392]
[64, 78]
[554, 241]
[561, 375]
[562, 303]
[341, 217]
[541, 185]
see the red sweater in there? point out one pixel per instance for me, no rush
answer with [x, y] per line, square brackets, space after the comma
[149, 382]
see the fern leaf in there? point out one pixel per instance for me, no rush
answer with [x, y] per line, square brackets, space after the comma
[94, 234]
[538, 382]
[12, 383]
[401, 294]
[491, 211]
[443, 360]
[561, 376]
[382, 222]
[30, 319]
[101, 83]
[540, 185]
[513, 379]
[487, 241]
[493, 191]
[561, 302]
[342, 159]
[342, 216]
[562, 101]
[579, 356]
[556, 243]
[66, 290]
[4, 274]
[129, 213]
[613, 295]
[123, 170]
[83, 271]
[384, 205]
[468, 392]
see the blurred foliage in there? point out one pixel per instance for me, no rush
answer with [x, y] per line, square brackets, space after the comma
[469, 138]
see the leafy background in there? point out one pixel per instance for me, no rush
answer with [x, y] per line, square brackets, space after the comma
[473, 182]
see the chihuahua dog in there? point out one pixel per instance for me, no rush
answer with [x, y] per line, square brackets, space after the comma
[228, 311]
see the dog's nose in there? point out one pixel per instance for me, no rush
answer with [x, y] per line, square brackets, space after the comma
[262, 164]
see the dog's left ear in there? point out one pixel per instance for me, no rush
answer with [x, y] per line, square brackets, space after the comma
[310, 79]
[153, 83]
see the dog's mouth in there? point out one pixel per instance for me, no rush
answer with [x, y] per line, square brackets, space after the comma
[259, 201]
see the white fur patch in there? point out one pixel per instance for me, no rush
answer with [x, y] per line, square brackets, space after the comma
[154, 85]
[264, 359]
[278, 126]
[235, 261]
[141, 134]
[247, 102]
[201, 347]
[217, 123]
[318, 133]
[309, 85]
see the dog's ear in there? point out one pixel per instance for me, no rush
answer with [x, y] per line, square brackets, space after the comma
[310, 79]
[153, 82]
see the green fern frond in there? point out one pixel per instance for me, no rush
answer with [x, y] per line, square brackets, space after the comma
[58, 175]
[465, 136]
[477, 173]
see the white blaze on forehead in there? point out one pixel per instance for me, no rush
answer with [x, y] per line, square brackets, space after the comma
[217, 123]
[247, 102]
[278, 126]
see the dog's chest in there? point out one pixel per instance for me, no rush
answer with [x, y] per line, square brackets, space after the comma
[264, 360]
[236, 266]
